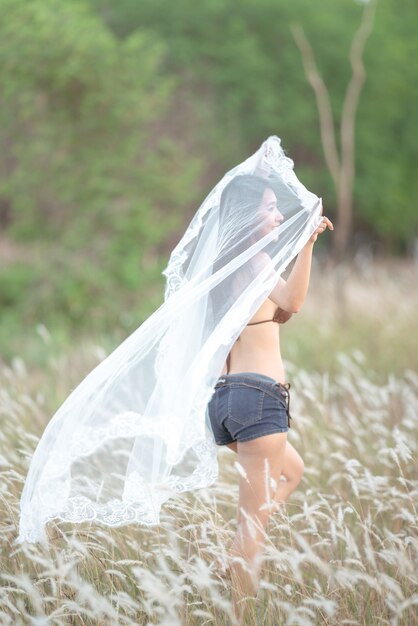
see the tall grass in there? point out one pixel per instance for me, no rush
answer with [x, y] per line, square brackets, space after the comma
[344, 550]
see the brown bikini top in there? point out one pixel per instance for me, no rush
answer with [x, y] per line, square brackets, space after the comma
[280, 317]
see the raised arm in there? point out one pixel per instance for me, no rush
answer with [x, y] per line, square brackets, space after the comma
[291, 294]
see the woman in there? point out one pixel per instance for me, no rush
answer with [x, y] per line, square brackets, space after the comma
[137, 430]
[249, 411]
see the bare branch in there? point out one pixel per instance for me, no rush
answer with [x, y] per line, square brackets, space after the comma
[323, 102]
[341, 167]
[353, 90]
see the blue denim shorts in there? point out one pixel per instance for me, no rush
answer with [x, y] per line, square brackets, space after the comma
[248, 405]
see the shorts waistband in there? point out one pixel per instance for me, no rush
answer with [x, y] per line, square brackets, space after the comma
[264, 382]
[250, 377]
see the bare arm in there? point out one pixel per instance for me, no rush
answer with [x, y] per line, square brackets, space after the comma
[290, 294]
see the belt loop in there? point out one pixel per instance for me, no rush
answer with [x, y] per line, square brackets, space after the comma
[289, 417]
[287, 387]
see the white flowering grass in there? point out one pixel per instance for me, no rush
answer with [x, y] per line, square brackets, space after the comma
[343, 550]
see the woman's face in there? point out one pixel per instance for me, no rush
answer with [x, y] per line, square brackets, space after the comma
[271, 215]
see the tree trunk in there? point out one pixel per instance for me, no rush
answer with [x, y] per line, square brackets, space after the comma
[341, 166]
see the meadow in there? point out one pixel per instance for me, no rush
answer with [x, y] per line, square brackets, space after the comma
[343, 550]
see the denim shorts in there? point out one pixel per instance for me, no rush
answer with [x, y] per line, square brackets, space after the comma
[248, 405]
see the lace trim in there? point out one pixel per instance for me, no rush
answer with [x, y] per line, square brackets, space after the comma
[271, 154]
[80, 509]
[85, 441]
[141, 501]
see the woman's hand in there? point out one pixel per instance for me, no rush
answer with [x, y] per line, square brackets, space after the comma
[326, 223]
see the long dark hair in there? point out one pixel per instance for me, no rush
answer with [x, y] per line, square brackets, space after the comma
[244, 193]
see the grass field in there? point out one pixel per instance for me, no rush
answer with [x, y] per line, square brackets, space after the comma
[344, 550]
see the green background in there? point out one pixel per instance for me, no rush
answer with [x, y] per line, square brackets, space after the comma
[117, 118]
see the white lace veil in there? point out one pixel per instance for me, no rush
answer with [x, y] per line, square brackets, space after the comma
[136, 430]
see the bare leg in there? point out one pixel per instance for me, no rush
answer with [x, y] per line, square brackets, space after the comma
[293, 468]
[261, 460]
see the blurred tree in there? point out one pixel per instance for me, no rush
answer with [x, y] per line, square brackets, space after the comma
[240, 69]
[75, 106]
[341, 166]
[387, 151]
[116, 117]
[82, 169]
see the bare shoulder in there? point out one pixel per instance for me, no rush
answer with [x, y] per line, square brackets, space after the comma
[262, 257]
[260, 260]
[277, 295]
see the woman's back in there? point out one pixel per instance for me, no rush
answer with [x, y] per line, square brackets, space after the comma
[257, 349]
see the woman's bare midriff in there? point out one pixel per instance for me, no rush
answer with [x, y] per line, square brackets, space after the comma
[257, 349]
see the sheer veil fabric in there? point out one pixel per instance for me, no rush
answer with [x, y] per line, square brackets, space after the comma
[136, 432]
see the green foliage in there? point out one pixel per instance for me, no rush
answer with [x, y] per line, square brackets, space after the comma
[117, 117]
[13, 281]
[75, 104]
[387, 185]
[83, 179]
[244, 59]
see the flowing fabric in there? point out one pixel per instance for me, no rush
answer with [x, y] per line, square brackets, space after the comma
[136, 431]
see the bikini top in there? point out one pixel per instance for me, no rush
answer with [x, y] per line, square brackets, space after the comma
[280, 317]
